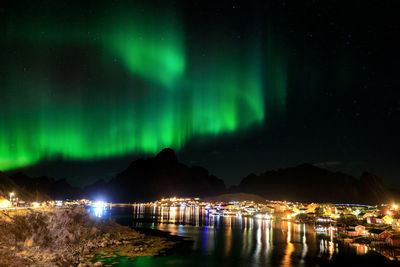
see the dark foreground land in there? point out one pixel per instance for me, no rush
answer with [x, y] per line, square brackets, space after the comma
[68, 237]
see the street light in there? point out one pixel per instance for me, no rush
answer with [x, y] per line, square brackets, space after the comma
[11, 195]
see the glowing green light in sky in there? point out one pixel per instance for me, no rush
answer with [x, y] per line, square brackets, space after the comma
[151, 49]
[122, 85]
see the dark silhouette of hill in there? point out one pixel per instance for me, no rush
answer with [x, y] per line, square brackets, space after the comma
[157, 177]
[55, 189]
[8, 185]
[164, 176]
[308, 183]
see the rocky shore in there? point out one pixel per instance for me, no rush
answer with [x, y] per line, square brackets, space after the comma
[69, 237]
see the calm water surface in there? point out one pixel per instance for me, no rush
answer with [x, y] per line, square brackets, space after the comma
[238, 241]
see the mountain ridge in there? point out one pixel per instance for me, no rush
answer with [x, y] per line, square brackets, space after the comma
[148, 179]
[308, 183]
[159, 176]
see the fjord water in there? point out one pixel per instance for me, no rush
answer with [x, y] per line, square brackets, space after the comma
[237, 241]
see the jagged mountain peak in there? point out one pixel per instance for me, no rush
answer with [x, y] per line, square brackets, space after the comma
[160, 176]
[167, 155]
[309, 183]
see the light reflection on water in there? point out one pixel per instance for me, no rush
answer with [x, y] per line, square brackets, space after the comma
[231, 240]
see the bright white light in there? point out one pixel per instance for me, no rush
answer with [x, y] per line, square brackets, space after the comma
[263, 216]
[5, 203]
[99, 204]
[99, 207]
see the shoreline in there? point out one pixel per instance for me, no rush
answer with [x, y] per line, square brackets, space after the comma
[76, 238]
[58, 236]
[175, 243]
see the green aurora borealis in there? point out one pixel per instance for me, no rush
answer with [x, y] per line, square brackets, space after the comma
[126, 83]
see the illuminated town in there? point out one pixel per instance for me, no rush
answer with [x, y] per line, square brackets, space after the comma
[365, 227]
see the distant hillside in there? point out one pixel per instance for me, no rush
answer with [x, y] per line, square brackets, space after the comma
[8, 185]
[164, 176]
[36, 189]
[157, 177]
[307, 183]
[55, 189]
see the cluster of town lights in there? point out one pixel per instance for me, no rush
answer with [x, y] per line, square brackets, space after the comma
[325, 215]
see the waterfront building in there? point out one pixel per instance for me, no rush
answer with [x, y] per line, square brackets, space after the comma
[396, 222]
[354, 230]
[374, 233]
[393, 241]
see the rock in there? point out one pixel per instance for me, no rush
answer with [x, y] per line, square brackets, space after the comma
[90, 244]
[28, 243]
[82, 265]
[98, 264]
[71, 237]
[93, 230]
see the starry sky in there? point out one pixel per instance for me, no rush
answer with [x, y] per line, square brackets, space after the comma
[233, 86]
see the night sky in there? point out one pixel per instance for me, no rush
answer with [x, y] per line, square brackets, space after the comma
[233, 86]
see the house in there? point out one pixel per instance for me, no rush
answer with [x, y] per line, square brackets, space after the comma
[387, 219]
[374, 233]
[367, 215]
[269, 209]
[303, 210]
[385, 235]
[361, 215]
[356, 230]
[396, 222]
[379, 219]
[360, 229]
[311, 207]
[371, 220]
[393, 241]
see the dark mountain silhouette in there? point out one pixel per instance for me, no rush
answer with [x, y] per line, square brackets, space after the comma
[55, 189]
[307, 183]
[8, 185]
[164, 176]
[157, 177]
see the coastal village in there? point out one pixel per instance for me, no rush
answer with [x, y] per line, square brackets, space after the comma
[377, 227]
[381, 223]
